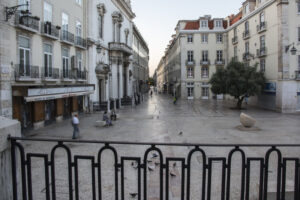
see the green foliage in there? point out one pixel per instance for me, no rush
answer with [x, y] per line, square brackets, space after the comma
[238, 81]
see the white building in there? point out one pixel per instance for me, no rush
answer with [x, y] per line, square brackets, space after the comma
[109, 52]
[263, 32]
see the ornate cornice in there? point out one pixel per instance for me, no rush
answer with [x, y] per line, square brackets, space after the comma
[101, 9]
[126, 6]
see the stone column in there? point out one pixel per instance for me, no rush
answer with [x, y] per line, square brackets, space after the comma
[12, 128]
[120, 83]
[107, 93]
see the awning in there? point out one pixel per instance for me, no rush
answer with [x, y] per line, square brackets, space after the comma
[56, 96]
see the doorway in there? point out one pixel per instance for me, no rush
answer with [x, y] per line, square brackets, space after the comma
[50, 112]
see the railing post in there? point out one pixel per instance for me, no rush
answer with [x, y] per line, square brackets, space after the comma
[8, 167]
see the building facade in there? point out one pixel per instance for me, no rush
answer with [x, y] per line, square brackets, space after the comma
[140, 73]
[266, 33]
[44, 72]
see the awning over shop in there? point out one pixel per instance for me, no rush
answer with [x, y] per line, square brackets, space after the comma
[44, 94]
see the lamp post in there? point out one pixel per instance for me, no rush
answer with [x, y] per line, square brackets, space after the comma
[10, 11]
[293, 49]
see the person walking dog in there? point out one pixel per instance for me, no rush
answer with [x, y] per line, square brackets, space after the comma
[75, 123]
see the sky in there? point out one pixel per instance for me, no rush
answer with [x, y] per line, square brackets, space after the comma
[156, 19]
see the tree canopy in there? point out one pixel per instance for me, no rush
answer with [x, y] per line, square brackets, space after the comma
[238, 80]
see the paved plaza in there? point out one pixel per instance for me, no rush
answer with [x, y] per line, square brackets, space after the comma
[158, 120]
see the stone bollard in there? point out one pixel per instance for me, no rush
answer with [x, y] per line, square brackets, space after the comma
[12, 128]
[247, 121]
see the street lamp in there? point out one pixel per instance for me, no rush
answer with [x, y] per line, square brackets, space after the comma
[10, 11]
[98, 48]
[293, 49]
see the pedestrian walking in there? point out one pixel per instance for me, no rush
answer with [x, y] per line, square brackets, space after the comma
[75, 123]
[174, 100]
[151, 93]
[106, 119]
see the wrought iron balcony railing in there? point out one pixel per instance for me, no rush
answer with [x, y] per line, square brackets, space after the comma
[204, 62]
[297, 75]
[246, 34]
[220, 62]
[68, 75]
[50, 73]
[27, 22]
[190, 62]
[26, 72]
[261, 52]
[67, 37]
[80, 42]
[122, 47]
[261, 27]
[81, 75]
[50, 30]
[246, 56]
[235, 40]
[132, 170]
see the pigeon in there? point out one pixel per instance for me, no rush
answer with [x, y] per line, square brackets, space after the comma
[180, 133]
[154, 155]
[133, 195]
[172, 174]
[157, 163]
[174, 164]
[151, 168]
[132, 164]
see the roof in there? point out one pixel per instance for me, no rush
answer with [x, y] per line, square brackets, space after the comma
[193, 25]
[236, 18]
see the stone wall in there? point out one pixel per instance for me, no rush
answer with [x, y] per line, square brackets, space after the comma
[13, 128]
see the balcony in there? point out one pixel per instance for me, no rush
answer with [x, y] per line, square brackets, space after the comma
[122, 47]
[235, 40]
[67, 75]
[26, 72]
[261, 52]
[190, 63]
[204, 62]
[246, 56]
[297, 75]
[81, 76]
[262, 27]
[220, 62]
[67, 37]
[80, 42]
[246, 34]
[50, 30]
[50, 74]
[26, 22]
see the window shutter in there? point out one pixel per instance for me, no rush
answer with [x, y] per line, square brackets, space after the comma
[73, 66]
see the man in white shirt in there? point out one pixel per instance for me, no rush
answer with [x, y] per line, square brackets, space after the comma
[75, 123]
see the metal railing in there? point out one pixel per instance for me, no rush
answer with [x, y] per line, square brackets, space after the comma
[190, 62]
[297, 74]
[246, 56]
[261, 27]
[67, 37]
[26, 71]
[261, 52]
[28, 22]
[220, 62]
[80, 42]
[117, 46]
[205, 62]
[155, 163]
[246, 34]
[67, 74]
[81, 74]
[235, 40]
[50, 73]
[50, 30]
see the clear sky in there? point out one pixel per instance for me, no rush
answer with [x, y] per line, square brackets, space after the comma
[156, 19]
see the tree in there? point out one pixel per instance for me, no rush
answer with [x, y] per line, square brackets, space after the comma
[238, 80]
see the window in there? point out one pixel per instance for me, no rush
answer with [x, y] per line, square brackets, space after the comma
[190, 38]
[298, 5]
[204, 55]
[247, 47]
[47, 12]
[219, 55]
[262, 42]
[100, 25]
[190, 72]
[235, 32]
[78, 29]
[190, 55]
[47, 60]
[298, 34]
[246, 26]
[24, 56]
[204, 38]
[204, 72]
[65, 62]
[246, 8]
[204, 23]
[218, 23]
[219, 38]
[262, 65]
[299, 62]
[262, 18]
[79, 60]
[205, 92]
[79, 2]
[65, 26]
[235, 51]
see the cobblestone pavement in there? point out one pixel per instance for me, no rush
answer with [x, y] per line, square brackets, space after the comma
[158, 120]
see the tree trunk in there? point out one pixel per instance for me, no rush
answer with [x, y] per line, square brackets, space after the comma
[239, 103]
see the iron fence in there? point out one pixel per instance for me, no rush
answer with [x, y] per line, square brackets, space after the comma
[164, 165]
